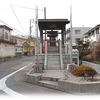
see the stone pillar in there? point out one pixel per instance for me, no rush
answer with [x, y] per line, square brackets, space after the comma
[46, 47]
[35, 48]
[45, 35]
[41, 40]
[60, 46]
[65, 47]
[62, 37]
[40, 48]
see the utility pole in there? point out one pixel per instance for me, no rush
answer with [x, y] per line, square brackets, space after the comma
[30, 28]
[70, 34]
[44, 12]
[45, 18]
[36, 31]
[29, 37]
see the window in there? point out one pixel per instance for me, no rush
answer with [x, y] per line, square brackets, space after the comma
[74, 54]
[97, 31]
[93, 34]
[77, 31]
[77, 39]
[6, 35]
[16, 49]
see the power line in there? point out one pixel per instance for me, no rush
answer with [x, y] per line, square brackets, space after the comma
[26, 7]
[17, 18]
[11, 13]
[11, 27]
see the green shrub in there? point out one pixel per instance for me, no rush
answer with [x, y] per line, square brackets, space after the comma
[96, 62]
[8, 57]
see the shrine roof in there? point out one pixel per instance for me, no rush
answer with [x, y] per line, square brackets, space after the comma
[55, 24]
[53, 20]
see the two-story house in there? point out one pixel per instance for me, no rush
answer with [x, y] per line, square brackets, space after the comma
[93, 34]
[28, 45]
[77, 33]
[18, 45]
[7, 46]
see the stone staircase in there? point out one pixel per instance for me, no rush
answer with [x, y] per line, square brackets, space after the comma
[49, 82]
[53, 62]
[50, 78]
[53, 49]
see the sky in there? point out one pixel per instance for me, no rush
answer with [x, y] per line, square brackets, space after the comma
[17, 13]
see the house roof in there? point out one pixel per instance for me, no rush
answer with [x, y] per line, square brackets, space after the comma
[26, 44]
[94, 28]
[6, 27]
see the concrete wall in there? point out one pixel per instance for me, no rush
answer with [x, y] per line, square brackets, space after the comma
[7, 50]
[95, 66]
[79, 87]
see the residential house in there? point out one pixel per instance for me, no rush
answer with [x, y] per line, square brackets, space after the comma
[28, 45]
[7, 46]
[18, 46]
[77, 33]
[93, 34]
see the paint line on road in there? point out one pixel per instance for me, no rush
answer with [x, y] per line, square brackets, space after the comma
[7, 90]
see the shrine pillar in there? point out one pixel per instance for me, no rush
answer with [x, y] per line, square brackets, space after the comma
[41, 40]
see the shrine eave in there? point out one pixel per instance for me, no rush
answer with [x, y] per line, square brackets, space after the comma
[52, 24]
[53, 20]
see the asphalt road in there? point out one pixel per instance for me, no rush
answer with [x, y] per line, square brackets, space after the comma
[17, 81]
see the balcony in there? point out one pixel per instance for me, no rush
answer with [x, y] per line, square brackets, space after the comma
[7, 41]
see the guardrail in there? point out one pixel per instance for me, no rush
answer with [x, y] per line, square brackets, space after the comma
[95, 66]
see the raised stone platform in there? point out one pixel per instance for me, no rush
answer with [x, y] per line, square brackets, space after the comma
[64, 81]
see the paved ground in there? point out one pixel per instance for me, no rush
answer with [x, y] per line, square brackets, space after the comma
[18, 84]
[54, 73]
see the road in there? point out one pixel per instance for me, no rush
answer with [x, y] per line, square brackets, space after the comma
[17, 83]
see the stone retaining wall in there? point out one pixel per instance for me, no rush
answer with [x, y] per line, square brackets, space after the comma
[90, 87]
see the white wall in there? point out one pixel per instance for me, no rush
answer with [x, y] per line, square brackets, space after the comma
[7, 50]
[94, 37]
[18, 46]
[1, 32]
[83, 30]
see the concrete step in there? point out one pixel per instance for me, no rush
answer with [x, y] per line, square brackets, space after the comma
[54, 79]
[53, 62]
[55, 59]
[49, 84]
[53, 68]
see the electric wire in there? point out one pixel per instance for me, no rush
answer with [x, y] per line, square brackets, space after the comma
[12, 13]
[12, 27]
[17, 19]
[27, 7]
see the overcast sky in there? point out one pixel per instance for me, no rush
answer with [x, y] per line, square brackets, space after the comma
[84, 12]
